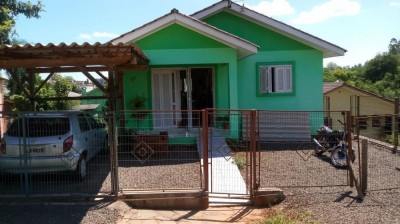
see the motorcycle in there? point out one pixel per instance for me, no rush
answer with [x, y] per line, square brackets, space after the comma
[334, 142]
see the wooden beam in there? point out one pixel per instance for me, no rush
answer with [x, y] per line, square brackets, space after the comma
[75, 98]
[102, 76]
[31, 80]
[123, 68]
[54, 62]
[94, 81]
[43, 83]
[68, 69]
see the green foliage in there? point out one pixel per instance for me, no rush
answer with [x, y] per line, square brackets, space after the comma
[240, 161]
[394, 46]
[59, 88]
[380, 75]
[376, 68]
[279, 217]
[62, 86]
[9, 10]
[21, 103]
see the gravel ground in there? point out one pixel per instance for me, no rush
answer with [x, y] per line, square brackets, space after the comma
[68, 213]
[330, 204]
[340, 205]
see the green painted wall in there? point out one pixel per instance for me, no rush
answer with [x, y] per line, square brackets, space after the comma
[268, 40]
[136, 83]
[177, 46]
[307, 81]
[274, 48]
[177, 37]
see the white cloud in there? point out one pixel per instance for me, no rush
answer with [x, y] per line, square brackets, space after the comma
[273, 8]
[395, 3]
[327, 10]
[97, 35]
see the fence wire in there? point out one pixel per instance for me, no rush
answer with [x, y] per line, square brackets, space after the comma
[288, 153]
[383, 156]
[40, 153]
[159, 150]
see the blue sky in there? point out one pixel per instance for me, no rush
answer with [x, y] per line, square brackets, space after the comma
[363, 27]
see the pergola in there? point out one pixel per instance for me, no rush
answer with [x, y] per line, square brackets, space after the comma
[63, 58]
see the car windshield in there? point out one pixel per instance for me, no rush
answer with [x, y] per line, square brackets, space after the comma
[39, 127]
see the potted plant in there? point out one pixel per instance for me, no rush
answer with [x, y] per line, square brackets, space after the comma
[139, 103]
[223, 121]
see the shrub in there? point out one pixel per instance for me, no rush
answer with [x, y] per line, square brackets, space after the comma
[240, 161]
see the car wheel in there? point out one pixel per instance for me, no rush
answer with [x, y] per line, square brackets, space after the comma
[81, 169]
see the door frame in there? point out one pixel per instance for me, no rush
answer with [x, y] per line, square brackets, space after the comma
[176, 71]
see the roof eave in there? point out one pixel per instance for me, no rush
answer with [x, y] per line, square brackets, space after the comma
[244, 47]
[328, 49]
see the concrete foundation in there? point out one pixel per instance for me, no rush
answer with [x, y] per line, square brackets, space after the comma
[267, 197]
[166, 199]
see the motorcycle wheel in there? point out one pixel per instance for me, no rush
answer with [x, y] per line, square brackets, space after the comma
[338, 157]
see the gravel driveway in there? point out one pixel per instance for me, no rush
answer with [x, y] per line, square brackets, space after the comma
[291, 168]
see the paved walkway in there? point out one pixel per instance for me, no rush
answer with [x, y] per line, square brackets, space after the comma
[239, 215]
[224, 175]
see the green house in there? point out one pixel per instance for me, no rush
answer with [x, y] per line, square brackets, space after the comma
[226, 56]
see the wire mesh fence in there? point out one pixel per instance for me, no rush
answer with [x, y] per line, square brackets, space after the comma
[383, 156]
[289, 156]
[77, 153]
[159, 150]
[54, 153]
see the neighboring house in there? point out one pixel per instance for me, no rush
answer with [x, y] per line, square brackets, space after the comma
[225, 56]
[374, 111]
[93, 105]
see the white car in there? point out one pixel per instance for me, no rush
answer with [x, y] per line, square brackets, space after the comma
[50, 142]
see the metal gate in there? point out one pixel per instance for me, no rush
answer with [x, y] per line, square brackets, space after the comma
[230, 151]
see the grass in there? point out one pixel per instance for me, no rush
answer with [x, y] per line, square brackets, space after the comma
[240, 161]
[280, 217]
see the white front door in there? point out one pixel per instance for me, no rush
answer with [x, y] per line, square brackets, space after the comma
[166, 90]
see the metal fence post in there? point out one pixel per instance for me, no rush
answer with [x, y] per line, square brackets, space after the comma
[205, 148]
[113, 144]
[349, 142]
[349, 153]
[395, 125]
[364, 166]
[253, 146]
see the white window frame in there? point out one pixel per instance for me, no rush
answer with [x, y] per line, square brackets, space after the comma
[276, 78]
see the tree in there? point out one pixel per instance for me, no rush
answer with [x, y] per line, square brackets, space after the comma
[62, 86]
[9, 10]
[376, 68]
[394, 46]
